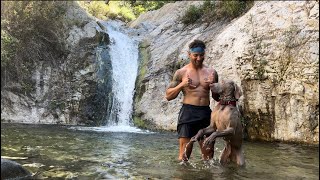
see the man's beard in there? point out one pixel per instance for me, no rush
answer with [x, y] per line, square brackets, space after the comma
[197, 63]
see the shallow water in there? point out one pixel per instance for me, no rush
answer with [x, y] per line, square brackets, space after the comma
[61, 152]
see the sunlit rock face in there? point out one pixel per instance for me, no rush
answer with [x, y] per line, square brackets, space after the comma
[68, 90]
[272, 52]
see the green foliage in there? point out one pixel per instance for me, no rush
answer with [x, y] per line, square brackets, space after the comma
[30, 32]
[215, 10]
[192, 14]
[137, 121]
[98, 9]
[8, 47]
[233, 9]
[56, 104]
[123, 10]
[112, 10]
[127, 13]
[144, 56]
[140, 7]
[260, 69]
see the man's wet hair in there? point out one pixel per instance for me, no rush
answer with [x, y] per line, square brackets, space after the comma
[197, 43]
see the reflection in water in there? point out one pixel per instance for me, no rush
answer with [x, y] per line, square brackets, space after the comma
[60, 152]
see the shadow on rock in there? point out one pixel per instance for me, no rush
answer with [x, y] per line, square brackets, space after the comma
[13, 171]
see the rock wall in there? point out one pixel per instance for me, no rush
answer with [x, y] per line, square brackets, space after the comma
[272, 52]
[66, 91]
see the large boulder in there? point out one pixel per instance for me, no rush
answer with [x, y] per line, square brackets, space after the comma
[13, 170]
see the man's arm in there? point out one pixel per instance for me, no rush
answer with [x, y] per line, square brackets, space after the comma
[175, 86]
[215, 96]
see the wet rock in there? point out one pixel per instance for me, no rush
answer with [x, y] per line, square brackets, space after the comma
[272, 51]
[13, 170]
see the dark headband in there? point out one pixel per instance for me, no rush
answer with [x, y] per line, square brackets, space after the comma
[197, 50]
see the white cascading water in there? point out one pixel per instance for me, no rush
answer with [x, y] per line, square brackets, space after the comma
[124, 59]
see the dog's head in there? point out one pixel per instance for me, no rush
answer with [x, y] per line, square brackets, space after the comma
[226, 89]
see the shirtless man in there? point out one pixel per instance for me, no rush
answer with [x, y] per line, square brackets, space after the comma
[193, 80]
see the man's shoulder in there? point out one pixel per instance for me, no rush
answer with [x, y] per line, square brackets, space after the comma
[183, 69]
[209, 68]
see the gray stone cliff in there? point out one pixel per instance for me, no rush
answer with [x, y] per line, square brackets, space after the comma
[272, 52]
[66, 91]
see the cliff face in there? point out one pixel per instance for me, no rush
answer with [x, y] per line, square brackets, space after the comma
[65, 90]
[272, 52]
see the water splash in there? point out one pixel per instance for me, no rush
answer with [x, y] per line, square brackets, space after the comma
[206, 163]
[202, 155]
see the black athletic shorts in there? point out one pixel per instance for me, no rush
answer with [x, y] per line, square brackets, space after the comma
[191, 119]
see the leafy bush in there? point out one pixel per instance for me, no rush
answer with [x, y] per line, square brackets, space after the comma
[8, 47]
[30, 32]
[140, 7]
[215, 10]
[192, 14]
[233, 9]
[112, 10]
[98, 9]
[123, 10]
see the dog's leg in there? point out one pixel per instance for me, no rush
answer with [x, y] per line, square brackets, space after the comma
[207, 152]
[214, 135]
[225, 155]
[237, 155]
[240, 157]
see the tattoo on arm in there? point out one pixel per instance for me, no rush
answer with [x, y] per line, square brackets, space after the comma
[175, 80]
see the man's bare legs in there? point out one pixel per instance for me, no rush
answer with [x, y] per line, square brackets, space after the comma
[184, 152]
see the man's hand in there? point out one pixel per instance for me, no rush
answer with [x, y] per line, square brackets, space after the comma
[209, 79]
[188, 82]
[197, 137]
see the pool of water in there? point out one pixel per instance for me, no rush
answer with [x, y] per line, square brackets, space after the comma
[64, 152]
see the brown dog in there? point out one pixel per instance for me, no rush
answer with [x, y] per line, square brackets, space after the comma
[225, 122]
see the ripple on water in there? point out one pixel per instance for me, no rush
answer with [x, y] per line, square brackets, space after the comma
[125, 128]
[78, 154]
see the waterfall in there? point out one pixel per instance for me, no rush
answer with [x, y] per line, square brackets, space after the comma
[123, 51]
[124, 60]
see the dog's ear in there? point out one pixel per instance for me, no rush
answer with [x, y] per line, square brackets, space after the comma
[237, 91]
[216, 88]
